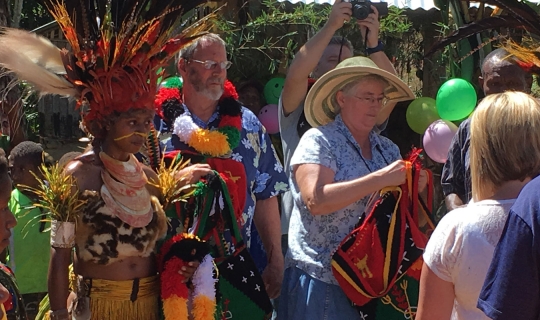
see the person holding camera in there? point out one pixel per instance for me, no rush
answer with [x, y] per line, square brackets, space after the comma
[319, 55]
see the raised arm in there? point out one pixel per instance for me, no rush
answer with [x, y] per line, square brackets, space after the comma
[371, 25]
[307, 58]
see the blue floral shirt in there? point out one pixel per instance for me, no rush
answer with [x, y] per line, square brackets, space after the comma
[313, 239]
[265, 175]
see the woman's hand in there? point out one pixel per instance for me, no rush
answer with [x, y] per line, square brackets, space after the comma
[394, 174]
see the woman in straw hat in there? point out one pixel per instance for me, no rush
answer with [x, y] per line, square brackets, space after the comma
[337, 166]
[461, 248]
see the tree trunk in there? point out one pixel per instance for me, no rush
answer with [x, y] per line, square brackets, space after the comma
[4, 13]
[10, 102]
[17, 10]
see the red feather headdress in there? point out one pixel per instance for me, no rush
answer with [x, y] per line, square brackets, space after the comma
[117, 50]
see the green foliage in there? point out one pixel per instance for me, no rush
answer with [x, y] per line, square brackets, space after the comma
[445, 58]
[269, 36]
[33, 15]
[266, 43]
[30, 119]
[395, 24]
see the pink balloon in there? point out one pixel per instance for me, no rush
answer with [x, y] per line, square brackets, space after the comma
[269, 117]
[438, 138]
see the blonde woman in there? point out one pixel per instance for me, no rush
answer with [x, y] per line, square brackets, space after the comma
[460, 250]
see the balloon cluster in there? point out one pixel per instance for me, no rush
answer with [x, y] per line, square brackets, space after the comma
[269, 114]
[456, 99]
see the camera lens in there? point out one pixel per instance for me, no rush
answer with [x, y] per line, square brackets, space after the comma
[361, 11]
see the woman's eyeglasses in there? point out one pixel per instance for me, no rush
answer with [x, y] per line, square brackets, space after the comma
[209, 64]
[371, 99]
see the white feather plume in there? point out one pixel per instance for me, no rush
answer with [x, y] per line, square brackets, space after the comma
[34, 59]
[184, 127]
[203, 282]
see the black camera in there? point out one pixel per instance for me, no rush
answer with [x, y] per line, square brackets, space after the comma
[362, 8]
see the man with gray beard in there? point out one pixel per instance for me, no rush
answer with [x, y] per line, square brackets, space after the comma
[208, 107]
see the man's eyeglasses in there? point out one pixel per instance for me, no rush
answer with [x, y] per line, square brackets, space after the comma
[209, 64]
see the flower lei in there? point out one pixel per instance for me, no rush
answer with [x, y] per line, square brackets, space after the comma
[176, 253]
[214, 143]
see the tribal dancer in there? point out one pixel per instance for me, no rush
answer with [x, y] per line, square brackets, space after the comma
[117, 50]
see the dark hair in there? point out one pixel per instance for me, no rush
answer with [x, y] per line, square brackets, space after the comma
[495, 57]
[339, 40]
[28, 151]
[499, 53]
[251, 83]
[98, 127]
[3, 165]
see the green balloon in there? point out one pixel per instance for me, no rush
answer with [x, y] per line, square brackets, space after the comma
[456, 99]
[172, 82]
[421, 113]
[272, 90]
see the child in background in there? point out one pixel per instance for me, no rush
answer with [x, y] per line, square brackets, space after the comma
[10, 297]
[29, 251]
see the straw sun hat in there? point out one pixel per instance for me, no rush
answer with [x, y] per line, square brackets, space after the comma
[320, 106]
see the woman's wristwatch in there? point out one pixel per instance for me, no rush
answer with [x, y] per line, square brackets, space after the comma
[379, 47]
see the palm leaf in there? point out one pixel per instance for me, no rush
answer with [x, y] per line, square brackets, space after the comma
[520, 11]
[519, 16]
[474, 28]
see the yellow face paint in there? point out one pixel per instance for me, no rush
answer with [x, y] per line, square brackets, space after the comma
[144, 135]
